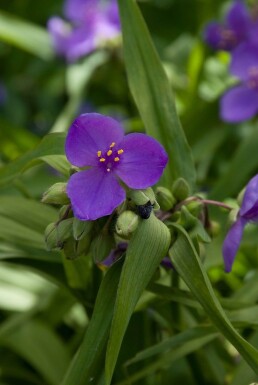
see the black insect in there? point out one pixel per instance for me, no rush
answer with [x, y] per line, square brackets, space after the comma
[145, 210]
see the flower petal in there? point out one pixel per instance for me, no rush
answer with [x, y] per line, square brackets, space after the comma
[238, 18]
[82, 41]
[212, 34]
[143, 161]
[60, 32]
[239, 104]
[88, 134]
[244, 57]
[250, 199]
[77, 10]
[94, 194]
[232, 242]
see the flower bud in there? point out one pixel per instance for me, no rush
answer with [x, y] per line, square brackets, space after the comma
[165, 198]
[101, 247]
[214, 229]
[180, 189]
[63, 231]
[81, 228]
[82, 247]
[195, 208]
[56, 195]
[187, 220]
[126, 224]
[142, 197]
[241, 196]
[233, 216]
[50, 236]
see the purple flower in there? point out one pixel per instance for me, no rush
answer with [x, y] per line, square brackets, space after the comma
[91, 22]
[98, 142]
[247, 213]
[235, 29]
[241, 102]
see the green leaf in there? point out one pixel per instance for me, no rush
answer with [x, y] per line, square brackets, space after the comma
[86, 365]
[172, 349]
[52, 144]
[187, 264]
[152, 93]
[25, 35]
[27, 212]
[146, 249]
[173, 343]
[41, 348]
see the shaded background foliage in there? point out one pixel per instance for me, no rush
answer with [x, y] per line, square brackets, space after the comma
[43, 318]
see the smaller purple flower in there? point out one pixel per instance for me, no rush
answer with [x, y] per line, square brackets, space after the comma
[247, 213]
[241, 102]
[90, 23]
[235, 29]
[98, 142]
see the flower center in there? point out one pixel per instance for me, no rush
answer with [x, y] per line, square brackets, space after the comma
[228, 38]
[109, 159]
[252, 81]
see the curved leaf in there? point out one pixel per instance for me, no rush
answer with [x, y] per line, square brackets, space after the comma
[152, 93]
[146, 249]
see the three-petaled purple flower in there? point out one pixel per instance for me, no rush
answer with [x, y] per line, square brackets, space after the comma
[241, 102]
[237, 27]
[99, 142]
[247, 213]
[91, 22]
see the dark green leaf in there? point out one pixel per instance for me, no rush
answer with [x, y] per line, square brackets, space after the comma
[147, 247]
[186, 262]
[86, 365]
[152, 93]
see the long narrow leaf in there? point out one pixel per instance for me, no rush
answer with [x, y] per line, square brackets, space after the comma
[52, 144]
[146, 249]
[152, 93]
[186, 261]
[25, 35]
[86, 364]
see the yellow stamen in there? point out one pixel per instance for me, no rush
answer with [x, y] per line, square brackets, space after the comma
[102, 160]
[112, 144]
[99, 154]
[120, 151]
[116, 159]
[109, 152]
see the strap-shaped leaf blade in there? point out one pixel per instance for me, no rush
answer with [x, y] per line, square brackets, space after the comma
[146, 249]
[52, 144]
[87, 362]
[25, 35]
[186, 262]
[152, 93]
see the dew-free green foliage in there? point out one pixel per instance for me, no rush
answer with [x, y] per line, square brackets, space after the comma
[64, 317]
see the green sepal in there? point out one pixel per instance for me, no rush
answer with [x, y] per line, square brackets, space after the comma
[126, 224]
[56, 194]
[101, 247]
[180, 189]
[141, 197]
[165, 198]
[81, 228]
[51, 236]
